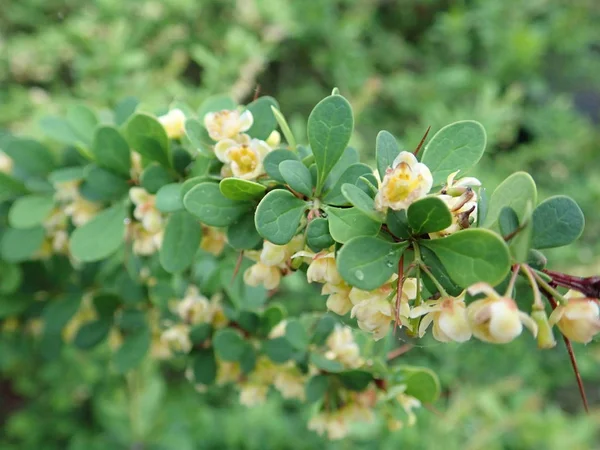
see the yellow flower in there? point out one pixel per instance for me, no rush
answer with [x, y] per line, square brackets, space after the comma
[6, 163]
[322, 268]
[213, 240]
[278, 330]
[259, 273]
[343, 348]
[449, 318]
[227, 124]
[373, 309]
[177, 338]
[578, 320]
[174, 123]
[494, 318]
[81, 211]
[145, 210]
[244, 156]
[339, 297]
[406, 181]
[144, 242]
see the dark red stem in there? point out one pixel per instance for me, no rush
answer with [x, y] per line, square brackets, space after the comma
[588, 286]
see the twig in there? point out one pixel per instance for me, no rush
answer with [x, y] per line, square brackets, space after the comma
[416, 152]
[238, 264]
[399, 351]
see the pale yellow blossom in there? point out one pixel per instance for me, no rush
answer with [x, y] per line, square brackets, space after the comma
[243, 156]
[343, 348]
[274, 139]
[339, 297]
[174, 123]
[449, 318]
[6, 163]
[145, 210]
[578, 320]
[227, 124]
[213, 240]
[177, 338]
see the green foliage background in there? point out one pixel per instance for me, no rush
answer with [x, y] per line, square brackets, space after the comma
[526, 70]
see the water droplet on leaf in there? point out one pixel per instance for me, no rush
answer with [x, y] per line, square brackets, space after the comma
[359, 275]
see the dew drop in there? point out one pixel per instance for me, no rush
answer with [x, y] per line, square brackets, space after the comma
[389, 264]
[359, 275]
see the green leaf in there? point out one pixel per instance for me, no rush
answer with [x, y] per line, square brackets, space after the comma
[242, 235]
[518, 189]
[421, 383]
[83, 122]
[9, 187]
[330, 126]
[207, 203]
[368, 262]
[349, 157]
[279, 350]
[361, 201]
[428, 215]
[296, 335]
[125, 109]
[356, 380]
[11, 276]
[440, 273]
[536, 259]
[520, 244]
[274, 159]
[154, 177]
[133, 350]
[316, 388]
[101, 236]
[471, 256]
[483, 205]
[386, 148]
[198, 136]
[297, 176]
[323, 363]
[352, 176]
[458, 146]
[147, 136]
[92, 333]
[238, 189]
[274, 314]
[508, 221]
[348, 223]
[21, 245]
[111, 150]
[557, 221]
[29, 211]
[204, 366]
[317, 235]
[216, 103]
[200, 333]
[278, 216]
[264, 121]
[101, 185]
[397, 223]
[60, 130]
[106, 303]
[323, 329]
[66, 174]
[169, 199]
[229, 344]
[30, 156]
[181, 242]
[285, 128]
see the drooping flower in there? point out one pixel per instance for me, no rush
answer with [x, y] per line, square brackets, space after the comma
[374, 310]
[177, 338]
[174, 123]
[449, 318]
[406, 181]
[496, 319]
[271, 262]
[343, 348]
[321, 267]
[259, 273]
[81, 211]
[227, 124]
[145, 210]
[145, 243]
[242, 156]
[195, 308]
[213, 240]
[578, 320]
[339, 297]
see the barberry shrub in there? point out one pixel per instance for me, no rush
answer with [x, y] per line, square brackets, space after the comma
[166, 237]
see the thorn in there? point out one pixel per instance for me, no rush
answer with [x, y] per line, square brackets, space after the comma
[399, 351]
[416, 152]
[238, 264]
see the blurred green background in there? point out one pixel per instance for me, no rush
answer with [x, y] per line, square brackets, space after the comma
[527, 70]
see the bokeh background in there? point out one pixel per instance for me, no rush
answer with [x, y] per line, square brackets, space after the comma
[529, 71]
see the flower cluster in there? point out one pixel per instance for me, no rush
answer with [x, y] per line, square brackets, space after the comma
[272, 262]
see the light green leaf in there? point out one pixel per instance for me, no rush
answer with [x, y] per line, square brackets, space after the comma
[279, 350]
[515, 191]
[351, 175]
[348, 223]
[30, 156]
[21, 245]
[368, 262]
[297, 176]
[10, 187]
[264, 121]
[274, 159]
[125, 109]
[198, 136]
[229, 344]
[154, 177]
[83, 122]
[330, 126]
[285, 128]
[111, 150]
[169, 199]
[557, 221]
[421, 383]
[326, 364]
[242, 235]
[101, 185]
[386, 148]
[278, 216]
[362, 201]
[471, 256]
[428, 215]
[207, 203]
[30, 211]
[317, 235]
[458, 146]
[101, 236]
[181, 242]
[238, 189]
[147, 136]
[67, 174]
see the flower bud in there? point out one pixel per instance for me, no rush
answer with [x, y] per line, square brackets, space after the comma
[578, 320]
[339, 297]
[274, 139]
[545, 338]
[322, 269]
[174, 123]
[259, 273]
